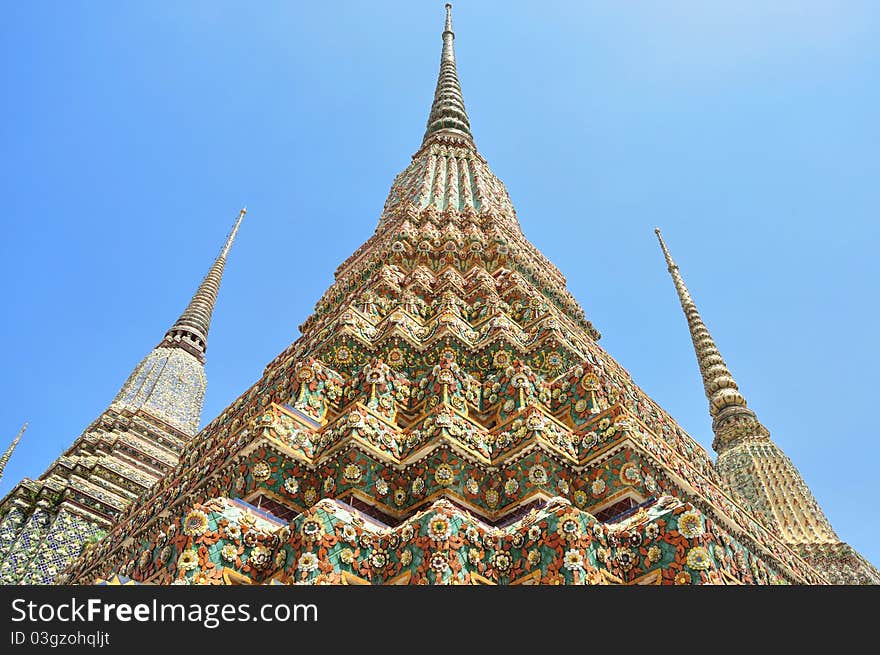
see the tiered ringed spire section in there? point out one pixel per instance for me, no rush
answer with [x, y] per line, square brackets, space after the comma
[448, 114]
[190, 331]
[725, 399]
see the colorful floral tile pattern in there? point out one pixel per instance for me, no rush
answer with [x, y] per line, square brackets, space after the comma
[665, 541]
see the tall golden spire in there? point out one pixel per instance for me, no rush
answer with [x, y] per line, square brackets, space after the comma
[6, 455]
[754, 468]
[447, 112]
[731, 416]
[190, 331]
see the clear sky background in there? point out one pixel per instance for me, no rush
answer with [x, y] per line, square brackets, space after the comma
[132, 133]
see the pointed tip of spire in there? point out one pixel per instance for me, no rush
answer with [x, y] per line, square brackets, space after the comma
[190, 331]
[666, 254]
[226, 246]
[448, 17]
[4, 458]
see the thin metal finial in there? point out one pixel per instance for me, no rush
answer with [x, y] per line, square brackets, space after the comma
[231, 237]
[6, 455]
[669, 261]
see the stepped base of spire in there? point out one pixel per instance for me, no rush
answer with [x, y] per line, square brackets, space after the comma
[169, 383]
[734, 425]
[44, 523]
[767, 483]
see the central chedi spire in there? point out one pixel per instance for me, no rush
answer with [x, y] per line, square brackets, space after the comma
[447, 416]
[45, 523]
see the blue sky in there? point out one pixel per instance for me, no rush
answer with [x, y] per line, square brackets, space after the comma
[133, 132]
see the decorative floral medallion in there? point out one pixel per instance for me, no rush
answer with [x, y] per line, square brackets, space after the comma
[349, 533]
[698, 558]
[690, 525]
[439, 528]
[260, 557]
[534, 533]
[395, 357]
[501, 359]
[399, 496]
[573, 560]
[229, 552]
[188, 560]
[307, 562]
[312, 529]
[381, 487]
[261, 472]
[195, 523]
[625, 559]
[502, 561]
[418, 486]
[568, 527]
[310, 496]
[538, 475]
[444, 475]
[629, 473]
[378, 559]
[352, 473]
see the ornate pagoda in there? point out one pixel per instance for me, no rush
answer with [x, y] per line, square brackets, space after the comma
[45, 523]
[447, 416]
